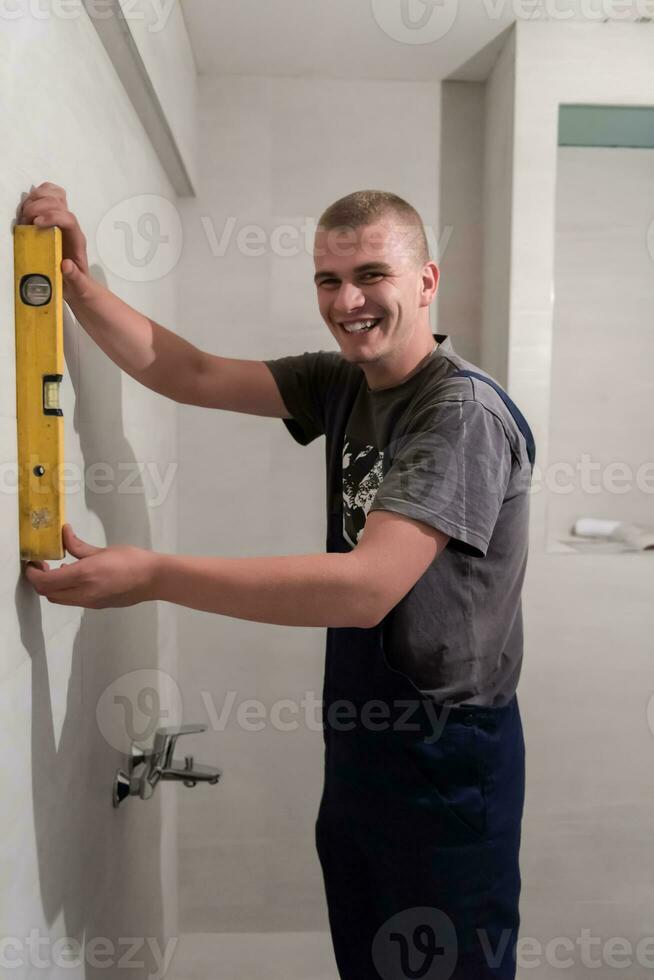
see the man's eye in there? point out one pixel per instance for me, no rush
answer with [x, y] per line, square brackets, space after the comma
[327, 282]
[372, 275]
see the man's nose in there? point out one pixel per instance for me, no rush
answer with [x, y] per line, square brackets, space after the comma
[349, 297]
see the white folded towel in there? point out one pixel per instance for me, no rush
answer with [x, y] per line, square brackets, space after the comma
[636, 536]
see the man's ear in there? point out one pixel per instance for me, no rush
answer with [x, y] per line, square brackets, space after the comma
[429, 283]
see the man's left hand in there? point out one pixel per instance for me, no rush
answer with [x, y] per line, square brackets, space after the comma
[120, 575]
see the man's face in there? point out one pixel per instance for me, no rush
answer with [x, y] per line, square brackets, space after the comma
[370, 274]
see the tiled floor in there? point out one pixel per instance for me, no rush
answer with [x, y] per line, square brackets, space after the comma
[253, 956]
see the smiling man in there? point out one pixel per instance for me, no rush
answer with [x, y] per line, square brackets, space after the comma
[428, 472]
[417, 835]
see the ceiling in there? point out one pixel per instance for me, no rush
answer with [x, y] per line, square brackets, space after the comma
[412, 40]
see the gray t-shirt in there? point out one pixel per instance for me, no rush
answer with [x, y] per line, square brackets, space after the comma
[445, 451]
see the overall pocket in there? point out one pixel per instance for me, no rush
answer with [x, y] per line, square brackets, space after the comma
[452, 773]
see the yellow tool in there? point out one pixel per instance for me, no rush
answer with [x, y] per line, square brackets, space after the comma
[38, 298]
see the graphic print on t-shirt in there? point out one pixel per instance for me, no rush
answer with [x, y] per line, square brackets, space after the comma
[362, 477]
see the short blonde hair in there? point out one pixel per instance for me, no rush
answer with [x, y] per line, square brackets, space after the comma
[367, 206]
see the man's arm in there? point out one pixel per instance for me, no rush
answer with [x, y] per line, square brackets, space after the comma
[353, 589]
[289, 590]
[153, 355]
[357, 588]
[286, 590]
[147, 351]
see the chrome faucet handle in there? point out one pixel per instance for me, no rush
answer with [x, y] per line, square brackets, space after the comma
[190, 729]
[165, 740]
[147, 767]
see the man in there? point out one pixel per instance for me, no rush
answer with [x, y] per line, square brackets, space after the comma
[428, 473]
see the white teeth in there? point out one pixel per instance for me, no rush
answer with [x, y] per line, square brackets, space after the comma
[359, 325]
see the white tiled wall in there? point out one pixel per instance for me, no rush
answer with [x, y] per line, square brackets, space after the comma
[497, 192]
[587, 677]
[71, 865]
[556, 62]
[603, 342]
[460, 300]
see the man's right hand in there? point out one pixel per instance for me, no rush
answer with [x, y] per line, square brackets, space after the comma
[46, 206]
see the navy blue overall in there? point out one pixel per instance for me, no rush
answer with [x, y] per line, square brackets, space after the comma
[418, 831]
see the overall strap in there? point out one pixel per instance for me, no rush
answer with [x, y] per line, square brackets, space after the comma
[518, 417]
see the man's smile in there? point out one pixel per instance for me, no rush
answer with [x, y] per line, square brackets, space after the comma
[359, 325]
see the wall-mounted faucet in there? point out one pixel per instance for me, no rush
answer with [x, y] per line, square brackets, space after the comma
[147, 766]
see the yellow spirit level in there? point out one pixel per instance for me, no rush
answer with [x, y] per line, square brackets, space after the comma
[38, 299]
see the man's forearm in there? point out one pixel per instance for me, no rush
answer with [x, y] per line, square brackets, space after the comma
[287, 590]
[149, 352]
